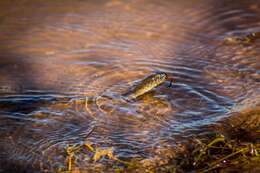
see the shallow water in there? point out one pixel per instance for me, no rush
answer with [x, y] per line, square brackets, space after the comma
[65, 65]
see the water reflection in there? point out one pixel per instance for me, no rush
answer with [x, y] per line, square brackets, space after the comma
[65, 67]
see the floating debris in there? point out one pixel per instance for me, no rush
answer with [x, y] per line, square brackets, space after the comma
[71, 157]
[73, 150]
[73, 153]
[99, 153]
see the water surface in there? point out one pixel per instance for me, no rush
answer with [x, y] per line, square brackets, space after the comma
[64, 66]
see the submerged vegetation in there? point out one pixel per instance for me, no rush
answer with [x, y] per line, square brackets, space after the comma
[219, 153]
[216, 152]
[247, 39]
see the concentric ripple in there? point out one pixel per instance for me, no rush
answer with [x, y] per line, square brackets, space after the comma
[65, 70]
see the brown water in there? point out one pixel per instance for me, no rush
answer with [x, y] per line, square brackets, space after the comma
[64, 66]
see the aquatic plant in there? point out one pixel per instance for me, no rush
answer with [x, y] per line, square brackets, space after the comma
[247, 39]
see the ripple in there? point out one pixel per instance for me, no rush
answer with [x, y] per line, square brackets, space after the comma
[68, 67]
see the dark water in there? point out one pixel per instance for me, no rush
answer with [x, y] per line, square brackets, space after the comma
[64, 66]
